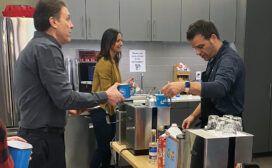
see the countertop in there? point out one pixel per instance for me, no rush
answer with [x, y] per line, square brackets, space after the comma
[185, 98]
[135, 161]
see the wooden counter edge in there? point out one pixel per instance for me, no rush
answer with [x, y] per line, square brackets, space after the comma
[135, 161]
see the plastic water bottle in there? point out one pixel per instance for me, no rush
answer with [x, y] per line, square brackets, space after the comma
[153, 146]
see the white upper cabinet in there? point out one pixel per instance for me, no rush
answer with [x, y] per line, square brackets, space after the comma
[166, 20]
[135, 20]
[92, 17]
[223, 14]
[101, 15]
[193, 10]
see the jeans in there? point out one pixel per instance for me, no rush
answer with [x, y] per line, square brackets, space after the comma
[104, 132]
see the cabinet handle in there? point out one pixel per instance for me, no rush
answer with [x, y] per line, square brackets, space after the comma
[8, 94]
[148, 29]
[154, 29]
[82, 26]
[89, 23]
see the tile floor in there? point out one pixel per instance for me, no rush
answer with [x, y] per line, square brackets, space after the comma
[263, 161]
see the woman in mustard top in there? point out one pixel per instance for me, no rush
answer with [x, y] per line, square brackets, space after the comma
[106, 73]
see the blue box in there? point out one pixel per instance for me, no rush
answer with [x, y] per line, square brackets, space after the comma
[171, 152]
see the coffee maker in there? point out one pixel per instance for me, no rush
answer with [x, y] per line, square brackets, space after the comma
[140, 120]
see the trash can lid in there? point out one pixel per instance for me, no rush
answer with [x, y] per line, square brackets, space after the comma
[19, 144]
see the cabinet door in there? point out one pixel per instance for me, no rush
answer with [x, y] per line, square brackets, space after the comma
[166, 18]
[192, 11]
[135, 20]
[270, 99]
[257, 114]
[77, 12]
[101, 15]
[223, 14]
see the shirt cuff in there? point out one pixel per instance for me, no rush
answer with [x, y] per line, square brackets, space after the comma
[102, 97]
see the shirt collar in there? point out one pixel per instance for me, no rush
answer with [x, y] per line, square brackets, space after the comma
[38, 34]
[219, 53]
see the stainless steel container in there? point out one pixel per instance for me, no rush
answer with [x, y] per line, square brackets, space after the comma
[181, 146]
[140, 119]
[138, 129]
[163, 116]
[80, 141]
[206, 149]
[121, 124]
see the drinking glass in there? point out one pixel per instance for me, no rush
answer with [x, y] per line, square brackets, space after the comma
[229, 127]
[238, 123]
[228, 116]
[212, 121]
[221, 121]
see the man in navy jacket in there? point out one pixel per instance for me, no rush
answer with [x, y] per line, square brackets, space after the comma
[222, 85]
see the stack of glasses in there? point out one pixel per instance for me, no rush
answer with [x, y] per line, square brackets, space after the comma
[226, 125]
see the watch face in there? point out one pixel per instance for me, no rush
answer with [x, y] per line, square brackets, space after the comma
[187, 84]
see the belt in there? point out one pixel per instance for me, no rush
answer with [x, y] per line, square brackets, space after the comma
[49, 130]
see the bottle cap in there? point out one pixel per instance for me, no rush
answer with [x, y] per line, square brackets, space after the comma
[161, 128]
[174, 125]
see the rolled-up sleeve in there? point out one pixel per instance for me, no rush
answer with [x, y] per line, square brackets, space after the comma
[54, 78]
[224, 78]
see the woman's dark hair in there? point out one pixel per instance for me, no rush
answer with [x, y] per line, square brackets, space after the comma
[205, 28]
[108, 40]
[44, 10]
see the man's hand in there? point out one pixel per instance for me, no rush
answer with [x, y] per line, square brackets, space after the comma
[188, 121]
[76, 112]
[16, 138]
[114, 96]
[172, 89]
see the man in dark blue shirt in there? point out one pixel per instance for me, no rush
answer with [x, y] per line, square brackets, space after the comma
[223, 82]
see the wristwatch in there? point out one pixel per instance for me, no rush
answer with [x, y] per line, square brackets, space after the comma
[187, 86]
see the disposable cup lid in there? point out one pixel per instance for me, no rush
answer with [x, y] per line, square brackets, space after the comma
[19, 144]
[124, 84]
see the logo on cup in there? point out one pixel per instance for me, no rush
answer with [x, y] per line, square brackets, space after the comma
[124, 89]
[161, 101]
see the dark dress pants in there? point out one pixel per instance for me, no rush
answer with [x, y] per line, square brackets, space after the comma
[48, 149]
[105, 132]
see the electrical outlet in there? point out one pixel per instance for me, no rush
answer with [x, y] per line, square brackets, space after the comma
[198, 76]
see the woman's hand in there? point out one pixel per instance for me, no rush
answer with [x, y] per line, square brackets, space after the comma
[130, 81]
